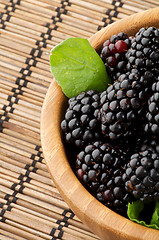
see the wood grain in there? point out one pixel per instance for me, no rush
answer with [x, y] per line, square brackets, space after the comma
[102, 221]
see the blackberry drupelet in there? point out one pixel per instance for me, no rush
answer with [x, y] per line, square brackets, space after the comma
[80, 125]
[142, 173]
[122, 109]
[143, 53]
[100, 167]
[113, 54]
[152, 116]
[150, 143]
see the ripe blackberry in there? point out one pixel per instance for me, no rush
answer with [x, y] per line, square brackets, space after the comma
[100, 168]
[143, 53]
[152, 116]
[80, 125]
[142, 174]
[123, 105]
[113, 54]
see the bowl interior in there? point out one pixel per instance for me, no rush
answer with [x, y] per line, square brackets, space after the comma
[101, 220]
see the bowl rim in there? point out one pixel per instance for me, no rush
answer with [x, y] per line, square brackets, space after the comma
[108, 222]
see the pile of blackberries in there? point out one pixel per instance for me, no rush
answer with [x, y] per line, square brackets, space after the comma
[116, 133]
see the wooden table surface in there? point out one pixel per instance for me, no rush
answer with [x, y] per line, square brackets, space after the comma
[30, 205]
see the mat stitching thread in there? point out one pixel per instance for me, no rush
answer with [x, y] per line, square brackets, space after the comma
[110, 13]
[1, 125]
[116, 4]
[8, 108]
[8, 12]
[11, 198]
[62, 223]
[31, 61]
[12, 99]
[55, 19]
[9, 207]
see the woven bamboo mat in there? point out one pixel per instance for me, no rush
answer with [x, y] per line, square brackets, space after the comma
[30, 205]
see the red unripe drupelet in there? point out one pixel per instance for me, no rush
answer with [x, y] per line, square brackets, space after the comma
[121, 46]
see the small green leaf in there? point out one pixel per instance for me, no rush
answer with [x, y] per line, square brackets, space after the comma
[155, 216]
[77, 67]
[134, 210]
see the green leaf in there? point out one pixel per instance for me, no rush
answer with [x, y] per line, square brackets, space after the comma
[77, 67]
[134, 210]
[155, 216]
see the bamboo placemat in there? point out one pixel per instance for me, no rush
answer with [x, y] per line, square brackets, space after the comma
[30, 205]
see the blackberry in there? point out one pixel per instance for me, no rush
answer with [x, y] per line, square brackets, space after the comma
[113, 54]
[100, 167]
[123, 105]
[142, 174]
[80, 125]
[152, 116]
[143, 53]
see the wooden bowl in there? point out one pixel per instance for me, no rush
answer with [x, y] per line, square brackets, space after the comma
[102, 221]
